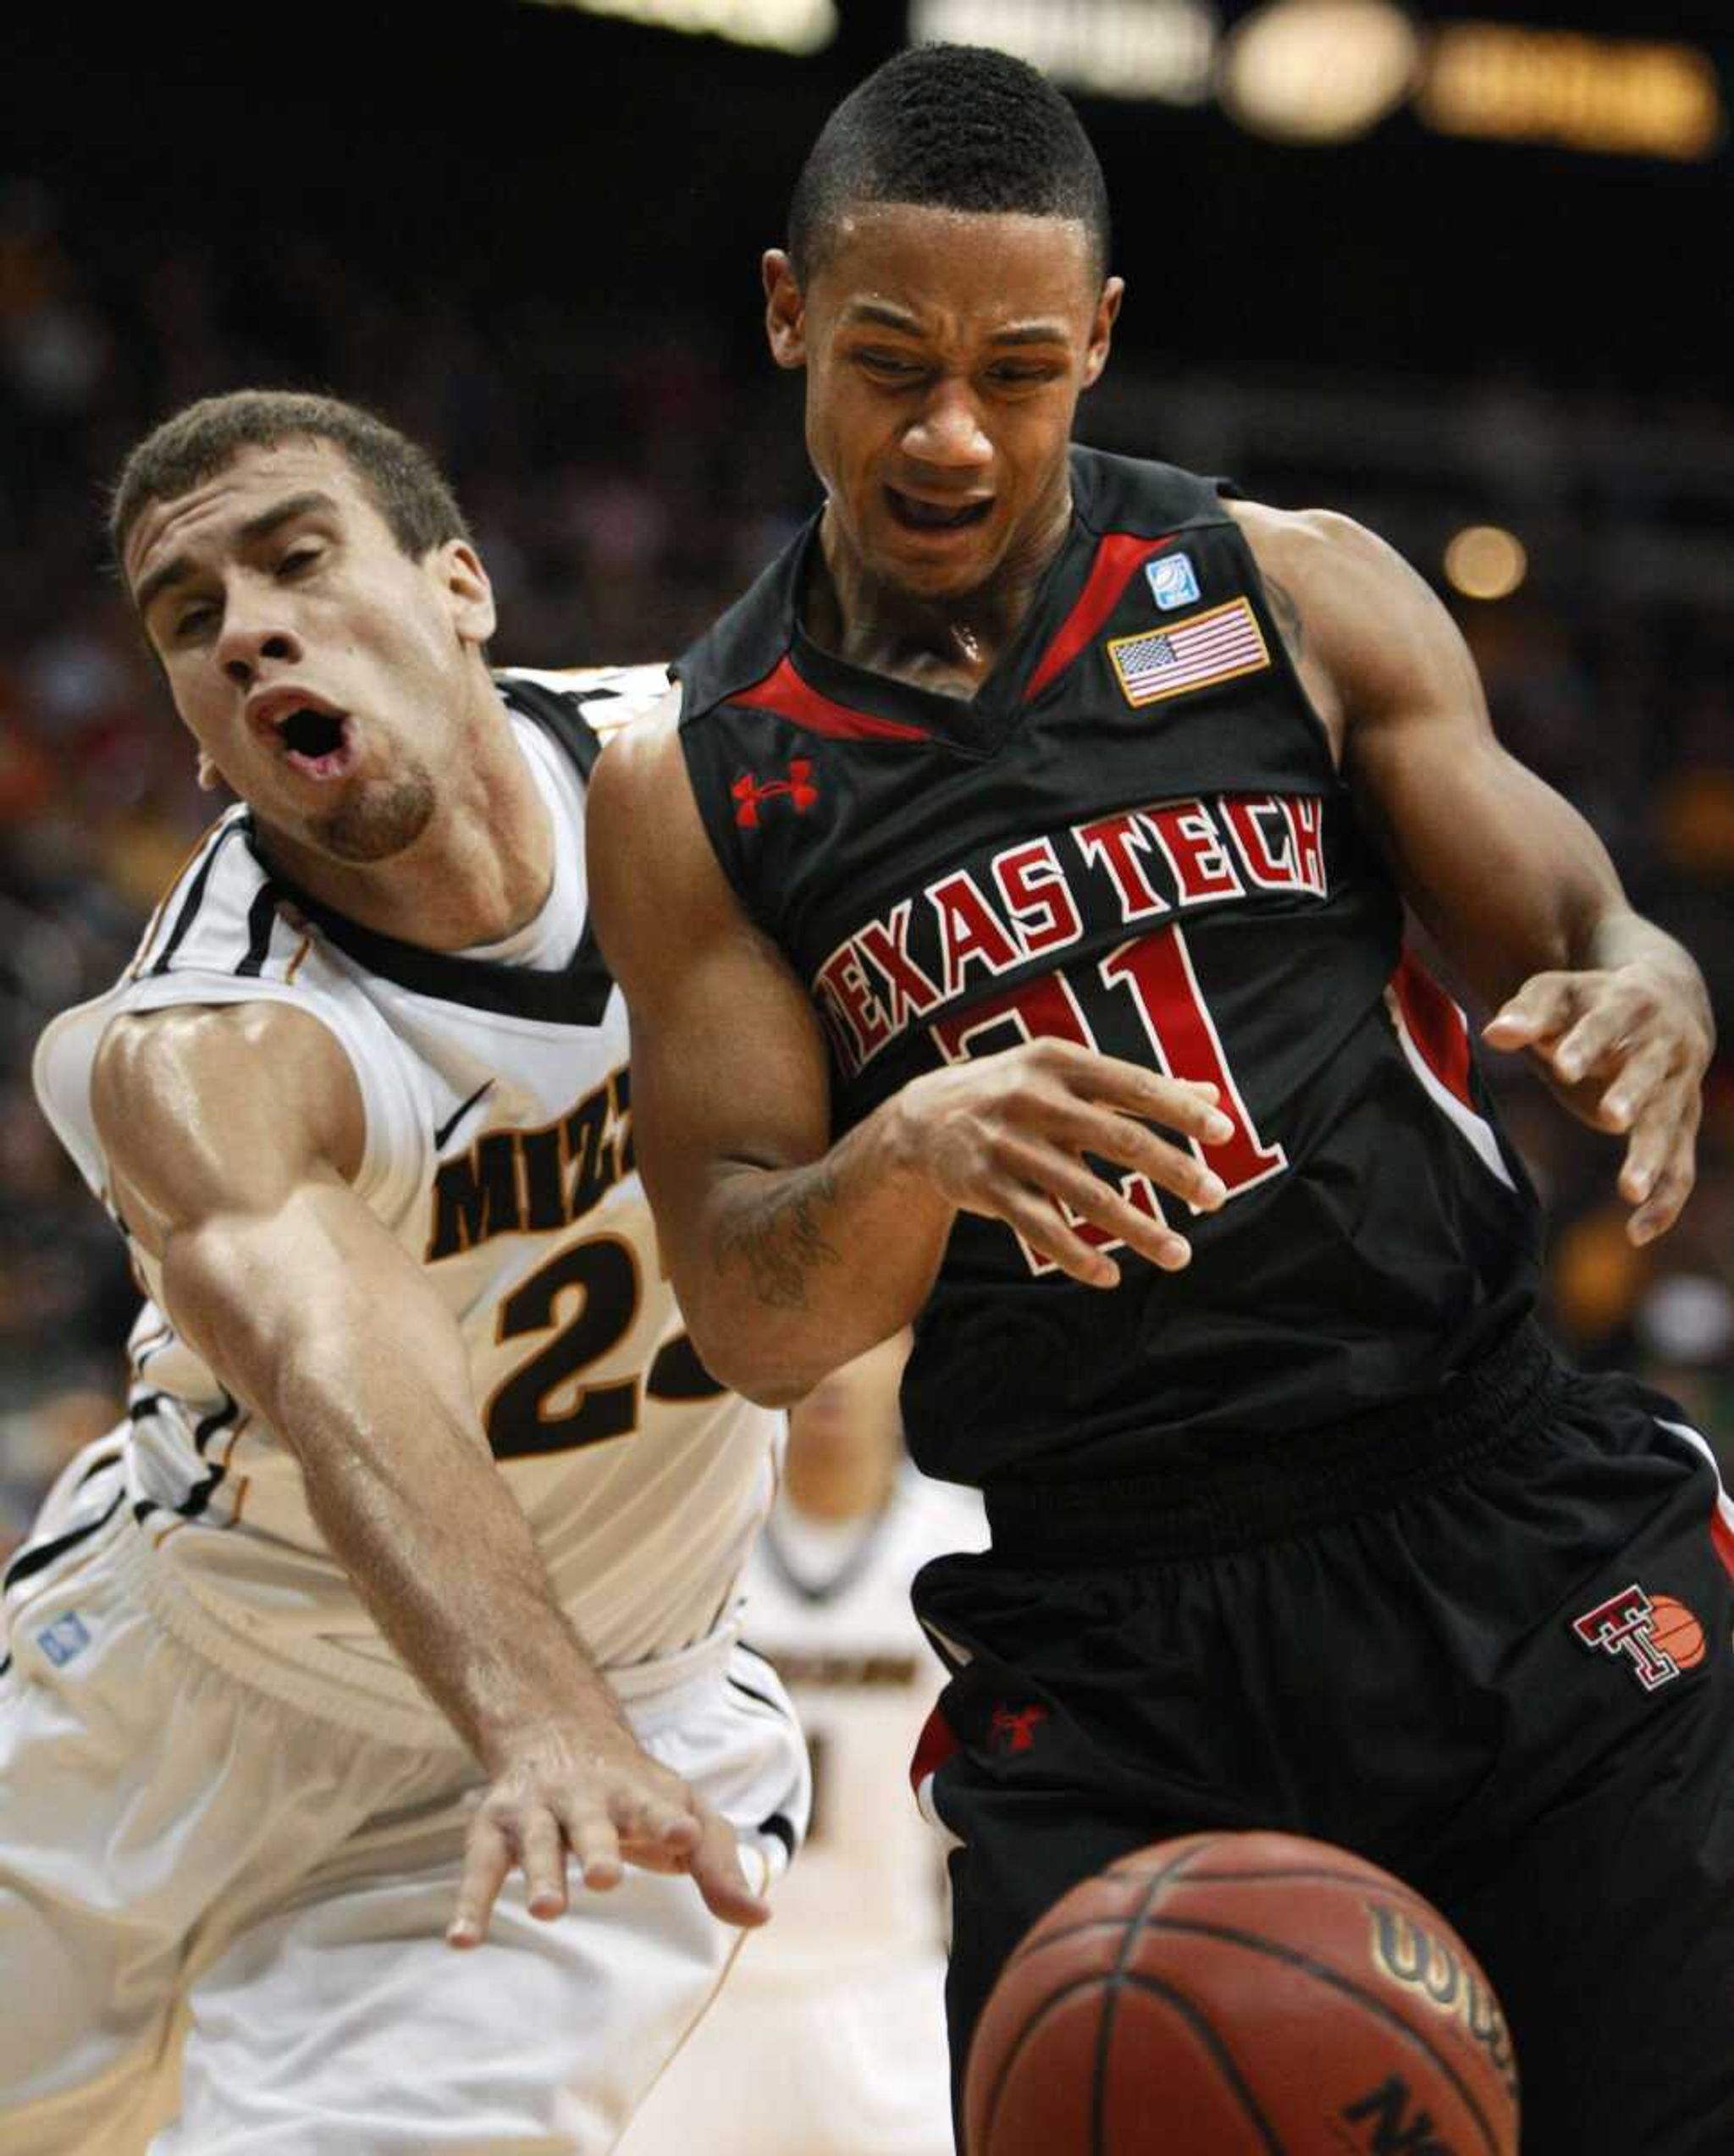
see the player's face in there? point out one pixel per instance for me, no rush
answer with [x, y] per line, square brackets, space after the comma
[944, 355]
[327, 676]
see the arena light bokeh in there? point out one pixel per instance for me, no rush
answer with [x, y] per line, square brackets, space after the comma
[1483, 561]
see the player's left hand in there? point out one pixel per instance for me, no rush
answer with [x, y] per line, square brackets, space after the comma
[1626, 1049]
[588, 1789]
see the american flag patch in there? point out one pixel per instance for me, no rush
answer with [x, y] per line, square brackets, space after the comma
[1212, 646]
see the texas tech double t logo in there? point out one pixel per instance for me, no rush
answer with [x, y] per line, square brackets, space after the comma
[1626, 1625]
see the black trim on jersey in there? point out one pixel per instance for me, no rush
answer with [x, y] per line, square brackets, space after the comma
[34, 1560]
[574, 995]
[779, 1829]
[762, 1699]
[816, 1591]
[557, 712]
[196, 897]
[5, 1664]
[457, 1115]
[743, 648]
[219, 1419]
[200, 1496]
[261, 921]
[96, 1467]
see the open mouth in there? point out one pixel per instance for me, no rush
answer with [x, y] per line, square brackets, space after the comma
[915, 515]
[316, 743]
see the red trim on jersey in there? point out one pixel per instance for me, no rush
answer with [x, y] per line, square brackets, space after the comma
[1435, 1026]
[783, 692]
[1118, 555]
[1722, 1535]
[933, 1747]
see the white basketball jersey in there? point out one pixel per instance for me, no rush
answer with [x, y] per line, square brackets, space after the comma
[499, 1153]
[868, 1886]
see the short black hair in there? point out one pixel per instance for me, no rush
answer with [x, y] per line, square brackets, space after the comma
[202, 439]
[955, 127]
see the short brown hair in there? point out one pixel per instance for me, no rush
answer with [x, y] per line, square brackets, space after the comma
[200, 439]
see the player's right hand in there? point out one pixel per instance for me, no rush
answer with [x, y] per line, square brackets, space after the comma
[1006, 1136]
[570, 1790]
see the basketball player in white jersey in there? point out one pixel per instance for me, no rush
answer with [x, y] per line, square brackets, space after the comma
[412, 1568]
[829, 2039]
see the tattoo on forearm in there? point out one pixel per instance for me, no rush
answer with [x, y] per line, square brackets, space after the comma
[781, 1241]
[1287, 613]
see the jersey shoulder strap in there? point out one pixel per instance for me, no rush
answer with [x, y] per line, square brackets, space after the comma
[1125, 493]
[581, 707]
[747, 644]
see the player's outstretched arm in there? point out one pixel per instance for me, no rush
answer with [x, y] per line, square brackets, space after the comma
[231, 1135]
[1508, 877]
[790, 1255]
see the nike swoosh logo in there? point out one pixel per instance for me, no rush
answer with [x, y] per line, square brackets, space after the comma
[447, 1127]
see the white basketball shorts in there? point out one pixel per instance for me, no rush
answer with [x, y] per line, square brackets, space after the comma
[222, 1918]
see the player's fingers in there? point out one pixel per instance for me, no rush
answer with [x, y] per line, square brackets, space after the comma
[1638, 1080]
[1610, 1014]
[1041, 1215]
[1661, 1162]
[487, 1853]
[1545, 1005]
[1672, 1187]
[1189, 1106]
[1051, 1159]
[1071, 1184]
[596, 1844]
[1035, 1216]
[656, 1833]
[715, 1867]
[1131, 1145]
[542, 1852]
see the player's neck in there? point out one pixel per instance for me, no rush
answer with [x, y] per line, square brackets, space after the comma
[836, 1482]
[949, 645]
[481, 870]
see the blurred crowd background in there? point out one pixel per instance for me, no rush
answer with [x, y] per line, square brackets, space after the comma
[531, 241]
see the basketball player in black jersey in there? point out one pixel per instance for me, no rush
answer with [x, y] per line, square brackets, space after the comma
[1038, 826]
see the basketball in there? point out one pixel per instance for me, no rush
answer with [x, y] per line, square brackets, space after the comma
[1248, 1994]
[1676, 1632]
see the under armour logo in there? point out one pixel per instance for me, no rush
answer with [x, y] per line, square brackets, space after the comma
[798, 787]
[1016, 1732]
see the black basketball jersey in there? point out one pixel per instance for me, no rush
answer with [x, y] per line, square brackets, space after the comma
[1132, 836]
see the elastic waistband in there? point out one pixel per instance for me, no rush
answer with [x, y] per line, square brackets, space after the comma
[1284, 1485]
[315, 1676]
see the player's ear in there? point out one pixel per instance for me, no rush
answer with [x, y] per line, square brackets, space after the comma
[468, 592]
[785, 310]
[1102, 329]
[209, 777]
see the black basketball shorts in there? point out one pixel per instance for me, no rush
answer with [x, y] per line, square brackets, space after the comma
[1485, 1643]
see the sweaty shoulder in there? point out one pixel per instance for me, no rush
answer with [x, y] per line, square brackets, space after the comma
[204, 1109]
[1355, 615]
[649, 860]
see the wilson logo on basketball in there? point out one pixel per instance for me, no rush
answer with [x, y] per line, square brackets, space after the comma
[1655, 1636]
[1430, 1967]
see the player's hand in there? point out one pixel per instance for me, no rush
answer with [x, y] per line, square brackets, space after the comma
[595, 1795]
[1006, 1136]
[1626, 1049]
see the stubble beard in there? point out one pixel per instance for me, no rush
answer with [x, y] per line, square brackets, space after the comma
[377, 822]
